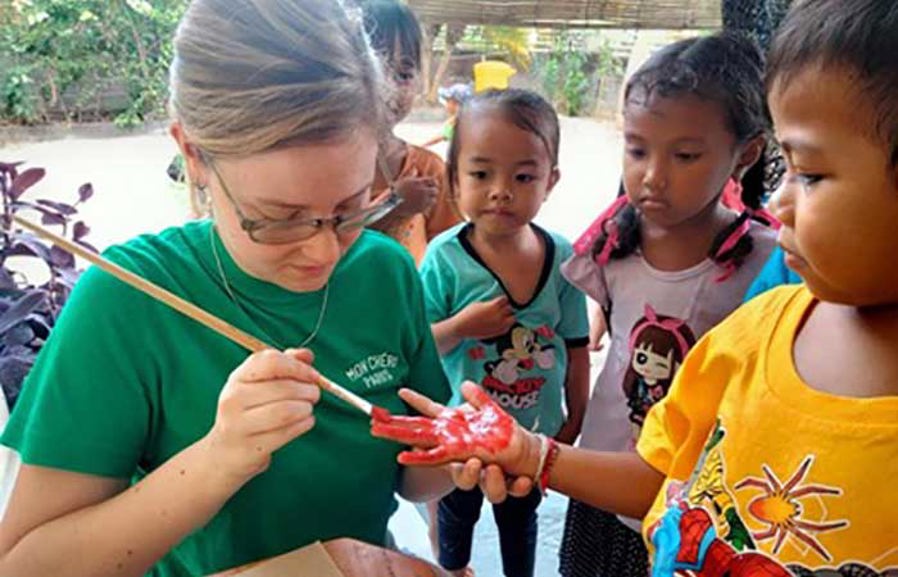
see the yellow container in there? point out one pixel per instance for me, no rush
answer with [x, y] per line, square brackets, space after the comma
[492, 74]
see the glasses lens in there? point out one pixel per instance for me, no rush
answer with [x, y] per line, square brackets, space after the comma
[283, 232]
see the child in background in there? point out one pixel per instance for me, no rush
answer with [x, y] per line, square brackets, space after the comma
[415, 174]
[775, 452]
[671, 258]
[501, 313]
[774, 274]
[452, 98]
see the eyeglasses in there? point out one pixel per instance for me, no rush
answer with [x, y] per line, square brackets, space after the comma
[272, 231]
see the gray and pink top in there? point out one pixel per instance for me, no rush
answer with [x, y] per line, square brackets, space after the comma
[654, 317]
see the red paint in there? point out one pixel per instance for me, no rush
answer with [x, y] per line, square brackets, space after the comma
[380, 415]
[453, 435]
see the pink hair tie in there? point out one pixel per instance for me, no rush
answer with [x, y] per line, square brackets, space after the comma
[584, 244]
[729, 269]
[765, 215]
[611, 243]
[732, 198]
[734, 238]
[729, 244]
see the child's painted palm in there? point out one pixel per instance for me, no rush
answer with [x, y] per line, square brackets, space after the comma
[483, 431]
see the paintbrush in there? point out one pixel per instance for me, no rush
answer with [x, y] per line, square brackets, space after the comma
[189, 309]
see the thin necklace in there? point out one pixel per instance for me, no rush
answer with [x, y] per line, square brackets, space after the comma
[227, 287]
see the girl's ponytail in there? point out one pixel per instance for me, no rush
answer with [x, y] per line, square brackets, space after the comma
[614, 234]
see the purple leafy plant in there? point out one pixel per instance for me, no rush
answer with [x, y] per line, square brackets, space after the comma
[28, 311]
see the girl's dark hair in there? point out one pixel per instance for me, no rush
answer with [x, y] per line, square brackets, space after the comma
[525, 109]
[390, 23]
[726, 68]
[858, 36]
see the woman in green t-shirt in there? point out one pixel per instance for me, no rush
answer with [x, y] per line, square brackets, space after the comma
[151, 445]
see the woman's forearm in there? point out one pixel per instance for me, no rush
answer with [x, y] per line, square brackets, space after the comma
[128, 533]
[424, 484]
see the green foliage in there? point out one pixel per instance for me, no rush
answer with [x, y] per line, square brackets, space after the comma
[513, 43]
[606, 63]
[18, 93]
[564, 76]
[86, 59]
[570, 74]
[575, 88]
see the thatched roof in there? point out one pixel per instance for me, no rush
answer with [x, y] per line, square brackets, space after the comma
[662, 14]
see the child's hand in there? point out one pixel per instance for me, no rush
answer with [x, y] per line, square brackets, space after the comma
[266, 403]
[418, 194]
[493, 482]
[597, 330]
[484, 320]
[483, 432]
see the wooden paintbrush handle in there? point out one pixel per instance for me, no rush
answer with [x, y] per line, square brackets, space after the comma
[189, 309]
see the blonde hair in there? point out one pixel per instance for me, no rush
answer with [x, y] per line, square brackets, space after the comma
[252, 75]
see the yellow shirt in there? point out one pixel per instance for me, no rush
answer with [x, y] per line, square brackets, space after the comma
[764, 472]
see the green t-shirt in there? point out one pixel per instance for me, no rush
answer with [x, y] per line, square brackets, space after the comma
[124, 383]
[449, 129]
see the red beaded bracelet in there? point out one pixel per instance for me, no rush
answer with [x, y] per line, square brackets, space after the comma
[551, 457]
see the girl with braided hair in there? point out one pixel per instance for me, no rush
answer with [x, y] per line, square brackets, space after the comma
[674, 254]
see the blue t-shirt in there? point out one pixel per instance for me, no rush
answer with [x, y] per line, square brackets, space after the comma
[525, 369]
[774, 274]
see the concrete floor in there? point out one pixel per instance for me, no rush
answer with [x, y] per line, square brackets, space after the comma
[133, 195]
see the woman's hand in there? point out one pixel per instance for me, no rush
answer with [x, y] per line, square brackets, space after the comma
[482, 432]
[266, 403]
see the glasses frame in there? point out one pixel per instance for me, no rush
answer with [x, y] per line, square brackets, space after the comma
[341, 223]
